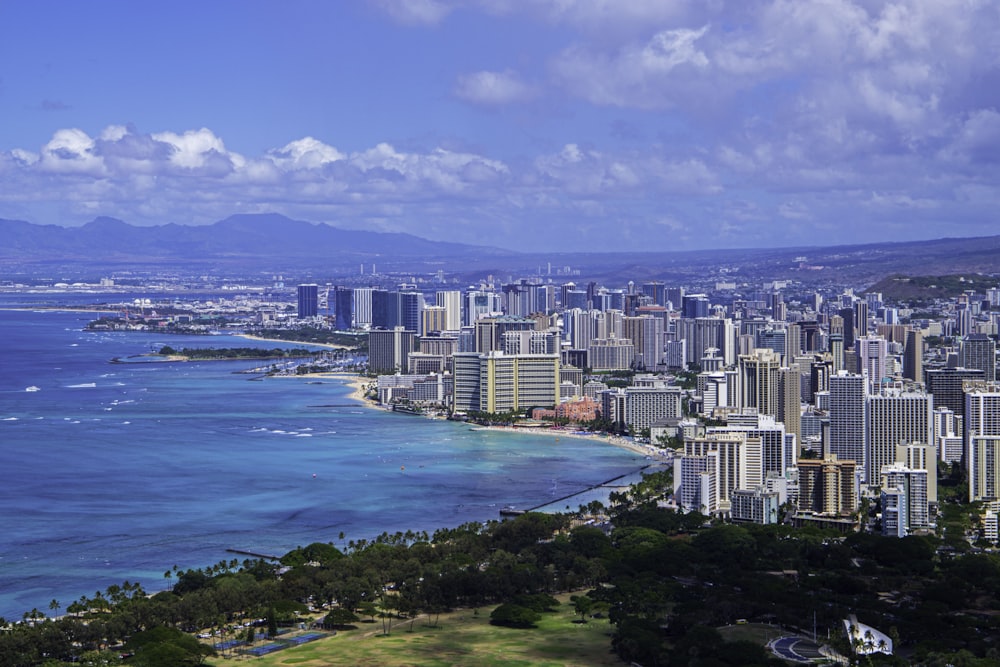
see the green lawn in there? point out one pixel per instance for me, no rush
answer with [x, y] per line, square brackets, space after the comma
[758, 633]
[461, 638]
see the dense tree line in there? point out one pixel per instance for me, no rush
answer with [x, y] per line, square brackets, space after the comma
[666, 580]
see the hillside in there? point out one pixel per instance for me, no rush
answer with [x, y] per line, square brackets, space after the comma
[921, 288]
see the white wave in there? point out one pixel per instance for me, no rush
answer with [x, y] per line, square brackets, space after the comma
[126, 423]
[82, 385]
[9, 419]
[303, 435]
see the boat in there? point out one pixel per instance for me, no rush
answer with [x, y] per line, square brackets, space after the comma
[33, 388]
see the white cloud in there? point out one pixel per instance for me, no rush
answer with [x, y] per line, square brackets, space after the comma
[493, 88]
[71, 151]
[195, 148]
[306, 153]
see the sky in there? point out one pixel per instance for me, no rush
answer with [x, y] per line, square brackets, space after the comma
[576, 125]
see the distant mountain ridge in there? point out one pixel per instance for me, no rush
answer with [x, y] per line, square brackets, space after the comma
[247, 243]
[238, 237]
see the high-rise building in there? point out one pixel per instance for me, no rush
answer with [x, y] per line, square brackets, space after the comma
[343, 308]
[790, 400]
[362, 307]
[979, 351]
[308, 300]
[946, 384]
[756, 505]
[948, 431]
[656, 291]
[611, 354]
[848, 395]
[695, 305]
[913, 356]
[733, 461]
[778, 448]
[982, 437]
[496, 382]
[827, 486]
[480, 303]
[696, 481]
[490, 330]
[644, 406]
[918, 456]
[451, 301]
[836, 344]
[894, 417]
[872, 352]
[433, 318]
[849, 330]
[759, 386]
[646, 334]
[389, 349]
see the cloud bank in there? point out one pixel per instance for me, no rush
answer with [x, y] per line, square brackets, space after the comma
[737, 123]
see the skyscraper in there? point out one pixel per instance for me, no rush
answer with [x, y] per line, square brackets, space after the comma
[388, 350]
[979, 351]
[894, 417]
[847, 417]
[913, 356]
[872, 352]
[308, 300]
[790, 400]
[451, 300]
[759, 381]
[343, 305]
[982, 437]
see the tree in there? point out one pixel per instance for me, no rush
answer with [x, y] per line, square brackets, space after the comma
[514, 616]
[339, 618]
[272, 623]
[582, 605]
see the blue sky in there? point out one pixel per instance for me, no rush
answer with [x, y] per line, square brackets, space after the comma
[543, 124]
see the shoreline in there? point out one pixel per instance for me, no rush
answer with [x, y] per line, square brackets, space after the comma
[329, 346]
[617, 441]
[357, 384]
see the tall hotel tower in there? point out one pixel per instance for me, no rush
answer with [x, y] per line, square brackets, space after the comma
[848, 394]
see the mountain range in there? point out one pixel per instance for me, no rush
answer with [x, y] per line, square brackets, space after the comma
[271, 242]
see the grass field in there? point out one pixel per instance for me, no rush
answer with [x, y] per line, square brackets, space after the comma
[758, 633]
[460, 638]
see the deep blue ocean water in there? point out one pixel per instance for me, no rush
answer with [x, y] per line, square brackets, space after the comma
[113, 472]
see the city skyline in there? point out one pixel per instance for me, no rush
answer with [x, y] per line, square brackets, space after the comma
[577, 125]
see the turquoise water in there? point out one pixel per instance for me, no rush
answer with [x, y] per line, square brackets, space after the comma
[121, 471]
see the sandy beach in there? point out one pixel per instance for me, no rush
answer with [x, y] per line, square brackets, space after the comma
[359, 382]
[617, 441]
[356, 382]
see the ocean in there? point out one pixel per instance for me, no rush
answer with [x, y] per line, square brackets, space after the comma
[120, 471]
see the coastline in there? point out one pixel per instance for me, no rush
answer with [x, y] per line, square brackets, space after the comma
[357, 384]
[617, 441]
[330, 346]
